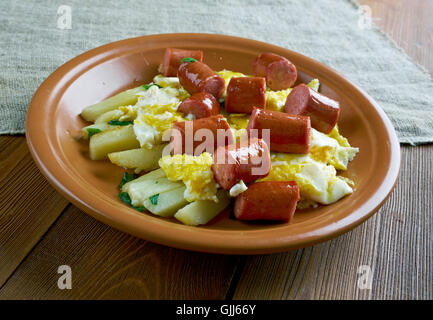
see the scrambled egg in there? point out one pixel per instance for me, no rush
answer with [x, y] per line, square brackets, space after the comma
[237, 189]
[275, 100]
[238, 123]
[317, 181]
[227, 75]
[155, 110]
[195, 172]
[316, 172]
[331, 149]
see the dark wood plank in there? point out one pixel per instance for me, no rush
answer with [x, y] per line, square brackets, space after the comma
[109, 264]
[28, 204]
[396, 243]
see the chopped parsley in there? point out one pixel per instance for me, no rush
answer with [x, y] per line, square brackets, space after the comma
[127, 177]
[92, 131]
[147, 86]
[125, 198]
[188, 60]
[154, 199]
[120, 123]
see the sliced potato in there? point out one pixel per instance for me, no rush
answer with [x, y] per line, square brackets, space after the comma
[118, 139]
[128, 97]
[108, 116]
[140, 159]
[93, 129]
[152, 175]
[167, 203]
[202, 211]
[155, 174]
[141, 190]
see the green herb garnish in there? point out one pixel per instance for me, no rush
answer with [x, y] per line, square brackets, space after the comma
[125, 198]
[119, 123]
[154, 199]
[188, 60]
[92, 131]
[127, 177]
[147, 86]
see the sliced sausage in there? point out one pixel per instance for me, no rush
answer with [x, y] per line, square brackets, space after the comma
[323, 111]
[287, 133]
[245, 93]
[247, 160]
[267, 200]
[279, 72]
[197, 136]
[200, 105]
[199, 77]
[172, 58]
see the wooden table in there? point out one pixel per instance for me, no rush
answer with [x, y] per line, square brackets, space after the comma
[40, 230]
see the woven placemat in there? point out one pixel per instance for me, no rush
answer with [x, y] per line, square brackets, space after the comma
[39, 36]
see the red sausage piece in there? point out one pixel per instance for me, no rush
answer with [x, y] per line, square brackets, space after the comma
[280, 73]
[200, 105]
[197, 136]
[267, 200]
[323, 111]
[172, 58]
[288, 133]
[247, 160]
[245, 93]
[199, 77]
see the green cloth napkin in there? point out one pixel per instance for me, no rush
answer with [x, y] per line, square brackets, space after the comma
[35, 40]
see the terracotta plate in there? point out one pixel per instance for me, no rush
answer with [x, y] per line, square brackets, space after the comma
[53, 123]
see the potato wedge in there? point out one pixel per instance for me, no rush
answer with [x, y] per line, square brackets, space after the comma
[118, 139]
[139, 159]
[108, 116]
[93, 129]
[154, 174]
[202, 211]
[166, 203]
[141, 190]
[128, 97]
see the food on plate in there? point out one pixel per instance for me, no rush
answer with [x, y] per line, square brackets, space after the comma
[173, 58]
[280, 197]
[316, 172]
[194, 139]
[287, 133]
[200, 105]
[118, 139]
[322, 110]
[245, 161]
[245, 93]
[197, 136]
[279, 72]
[202, 211]
[194, 171]
[140, 159]
[127, 97]
[195, 76]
